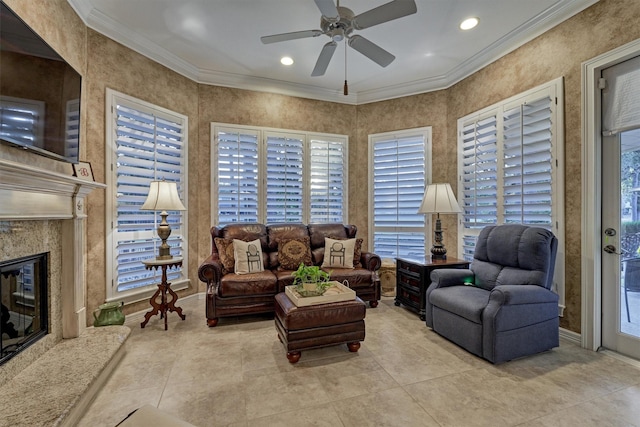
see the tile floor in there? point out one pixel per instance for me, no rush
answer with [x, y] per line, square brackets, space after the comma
[237, 374]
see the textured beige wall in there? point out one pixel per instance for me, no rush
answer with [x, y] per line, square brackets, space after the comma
[104, 63]
[111, 65]
[427, 109]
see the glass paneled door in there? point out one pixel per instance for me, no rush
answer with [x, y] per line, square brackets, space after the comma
[621, 242]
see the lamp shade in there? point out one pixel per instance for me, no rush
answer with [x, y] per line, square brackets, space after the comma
[163, 196]
[439, 198]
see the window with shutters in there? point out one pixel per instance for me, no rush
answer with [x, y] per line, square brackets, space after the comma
[399, 170]
[274, 175]
[511, 167]
[144, 143]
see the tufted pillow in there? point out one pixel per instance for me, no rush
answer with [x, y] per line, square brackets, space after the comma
[225, 252]
[248, 256]
[357, 250]
[292, 252]
[338, 253]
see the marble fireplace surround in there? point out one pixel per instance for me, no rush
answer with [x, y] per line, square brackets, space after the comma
[28, 193]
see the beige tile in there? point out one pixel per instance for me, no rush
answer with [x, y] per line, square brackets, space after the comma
[112, 406]
[272, 394]
[393, 407]
[316, 416]
[206, 403]
[465, 399]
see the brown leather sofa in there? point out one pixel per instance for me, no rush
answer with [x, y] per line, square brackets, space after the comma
[231, 294]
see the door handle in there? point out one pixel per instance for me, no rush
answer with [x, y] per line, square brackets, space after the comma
[610, 249]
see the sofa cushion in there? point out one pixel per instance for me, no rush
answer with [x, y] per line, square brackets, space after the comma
[248, 256]
[236, 285]
[225, 253]
[357, 251]
[338, 253]
[465, 301]
[293, 252]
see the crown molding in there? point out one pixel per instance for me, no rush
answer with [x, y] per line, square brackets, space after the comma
[501, 47]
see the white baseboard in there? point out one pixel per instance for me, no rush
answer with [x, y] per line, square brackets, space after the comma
[572, 337]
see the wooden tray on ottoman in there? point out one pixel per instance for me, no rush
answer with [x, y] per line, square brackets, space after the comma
[337, 292]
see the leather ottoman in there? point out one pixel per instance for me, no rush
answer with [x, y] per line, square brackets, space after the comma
[321, 325]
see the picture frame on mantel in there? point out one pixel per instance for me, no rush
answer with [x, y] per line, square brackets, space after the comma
[83, 171]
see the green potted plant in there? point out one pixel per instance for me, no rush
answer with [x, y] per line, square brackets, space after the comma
[311, 280]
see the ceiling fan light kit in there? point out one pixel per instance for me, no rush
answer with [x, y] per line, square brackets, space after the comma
[338, 23]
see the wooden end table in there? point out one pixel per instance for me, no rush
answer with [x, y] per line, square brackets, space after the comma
[413, 277]
[164, 287]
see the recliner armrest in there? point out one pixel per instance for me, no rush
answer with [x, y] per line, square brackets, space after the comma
[443, 277]
[521, 294]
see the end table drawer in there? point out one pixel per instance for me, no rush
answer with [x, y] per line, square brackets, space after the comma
[412, 281]
[409, 267]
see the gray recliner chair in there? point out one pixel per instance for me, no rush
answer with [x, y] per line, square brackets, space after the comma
[502, 307]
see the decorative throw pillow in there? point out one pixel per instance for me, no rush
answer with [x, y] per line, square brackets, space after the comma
[292, 252]
[357, 251]
[338, 253]
[248, 256]
[225, 252]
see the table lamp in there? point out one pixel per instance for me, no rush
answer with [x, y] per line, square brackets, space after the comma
[438, 198]
[163, 196]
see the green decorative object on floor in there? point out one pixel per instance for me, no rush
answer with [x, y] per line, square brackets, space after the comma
[110, 314]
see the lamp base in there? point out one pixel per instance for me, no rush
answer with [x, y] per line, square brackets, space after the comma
[438, 251]
[164, 231]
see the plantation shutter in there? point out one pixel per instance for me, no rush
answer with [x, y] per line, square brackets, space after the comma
[148, 146]
[327, 191]
[479, 178]
[399, 178]
[238, 185]
[527, 170]
[284, 178]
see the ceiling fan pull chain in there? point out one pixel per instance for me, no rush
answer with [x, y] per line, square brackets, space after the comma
[346, 87]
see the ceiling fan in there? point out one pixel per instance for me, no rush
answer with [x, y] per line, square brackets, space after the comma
[339, 22]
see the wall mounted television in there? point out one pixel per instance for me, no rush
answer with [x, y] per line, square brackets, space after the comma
[39, 93]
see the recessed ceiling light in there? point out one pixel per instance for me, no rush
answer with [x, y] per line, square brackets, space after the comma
[286, 60]
[469, 23]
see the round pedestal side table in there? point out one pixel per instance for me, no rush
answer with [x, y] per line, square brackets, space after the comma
[164, 288]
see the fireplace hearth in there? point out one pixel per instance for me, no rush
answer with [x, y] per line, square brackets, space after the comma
[24, 308]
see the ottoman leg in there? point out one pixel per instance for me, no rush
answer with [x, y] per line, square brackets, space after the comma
[353, 346]
[294, 356]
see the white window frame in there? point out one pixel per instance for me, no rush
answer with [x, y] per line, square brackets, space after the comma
[554, 90]
[426, 133]
[179, 281]
[263, 133]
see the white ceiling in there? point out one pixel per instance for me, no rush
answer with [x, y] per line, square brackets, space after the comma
[218, 41]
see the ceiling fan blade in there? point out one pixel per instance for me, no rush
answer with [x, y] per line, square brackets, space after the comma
[290, 36]
[385, 13]
[324, 59]
[328, 9]
[371, 50]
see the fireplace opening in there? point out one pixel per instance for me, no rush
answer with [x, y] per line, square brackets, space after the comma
[23, 294]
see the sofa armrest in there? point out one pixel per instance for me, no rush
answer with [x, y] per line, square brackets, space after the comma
[443, 277]
[210, 271]
[370, 261]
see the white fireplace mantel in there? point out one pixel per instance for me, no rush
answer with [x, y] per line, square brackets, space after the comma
[31, 193]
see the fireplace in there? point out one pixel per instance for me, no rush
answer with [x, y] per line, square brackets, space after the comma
[23, 297]
[42, 211]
